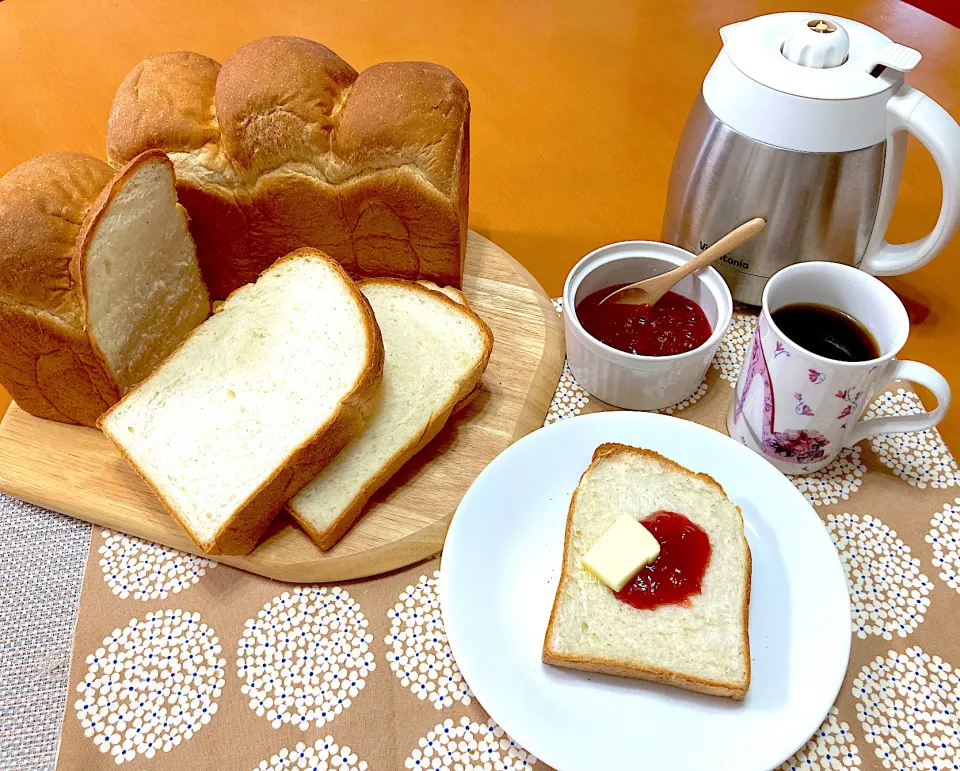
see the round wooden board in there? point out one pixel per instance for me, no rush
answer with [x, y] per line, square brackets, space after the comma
[77, 471]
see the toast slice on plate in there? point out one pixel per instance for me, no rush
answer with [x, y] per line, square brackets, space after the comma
[435, 352]
[255, 402]
[701, 645]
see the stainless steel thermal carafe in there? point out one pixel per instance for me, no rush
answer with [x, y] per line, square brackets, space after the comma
[802, 121]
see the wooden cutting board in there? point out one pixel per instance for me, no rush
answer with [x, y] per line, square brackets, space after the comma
[77, 471]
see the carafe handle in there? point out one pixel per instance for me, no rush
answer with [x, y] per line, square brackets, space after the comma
[912, 111]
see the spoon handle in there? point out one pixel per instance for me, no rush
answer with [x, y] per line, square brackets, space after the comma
[732, 240]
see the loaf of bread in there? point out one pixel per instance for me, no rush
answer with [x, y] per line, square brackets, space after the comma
[435, 352]
[255, 402]
[98, 281]
[286, 146]
[699, 646]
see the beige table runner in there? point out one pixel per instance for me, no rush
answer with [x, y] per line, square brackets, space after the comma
[179, 663]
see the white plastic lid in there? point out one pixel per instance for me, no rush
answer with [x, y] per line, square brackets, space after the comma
[771, 50]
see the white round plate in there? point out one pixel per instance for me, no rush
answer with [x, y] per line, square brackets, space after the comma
[499, 573]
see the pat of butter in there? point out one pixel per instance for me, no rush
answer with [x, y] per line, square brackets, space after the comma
[621, 552]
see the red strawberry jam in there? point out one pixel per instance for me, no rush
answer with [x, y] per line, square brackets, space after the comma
[677, 573]
[674, 325]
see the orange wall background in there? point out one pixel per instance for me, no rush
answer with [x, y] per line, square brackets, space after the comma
[577, 106]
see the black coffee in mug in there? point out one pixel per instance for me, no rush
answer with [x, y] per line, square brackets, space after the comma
[826, 331]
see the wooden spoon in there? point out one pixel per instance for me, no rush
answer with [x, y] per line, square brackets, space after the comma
[650, 290]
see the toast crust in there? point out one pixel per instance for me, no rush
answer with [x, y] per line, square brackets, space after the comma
[616, 668]
[468, 389]
[240, 533]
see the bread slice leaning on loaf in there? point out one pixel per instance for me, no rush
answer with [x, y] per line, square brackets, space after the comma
[255, 402]
[702, 646]
[98, 281]
[435, 352]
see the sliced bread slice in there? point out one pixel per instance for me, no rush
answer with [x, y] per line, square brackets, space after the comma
[458, 297]
[255, 402]
[700, 646]
[140, 282]
[436, 350]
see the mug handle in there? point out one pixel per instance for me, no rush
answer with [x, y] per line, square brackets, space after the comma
[901, 424]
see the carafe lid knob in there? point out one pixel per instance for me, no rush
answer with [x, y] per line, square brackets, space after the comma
[818, 43]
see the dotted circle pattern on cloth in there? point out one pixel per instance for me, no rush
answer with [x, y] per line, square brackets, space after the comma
[691, 399]
[305, 656]
[733, 346]
[908, 709]
[888, 593]
[831, 748]
[469, 746]
[322, 755]
[152, 685]
[835, 482]
[568, 400]
[418, 650]
[145, 570]
[945, 537]
[920, 458]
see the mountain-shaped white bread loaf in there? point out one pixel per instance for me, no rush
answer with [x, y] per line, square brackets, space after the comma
[703, 647]
[255, 402]
[286, 145]
[435, 352]
[99, 281]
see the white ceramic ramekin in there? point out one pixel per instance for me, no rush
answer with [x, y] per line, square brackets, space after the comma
[626, 379]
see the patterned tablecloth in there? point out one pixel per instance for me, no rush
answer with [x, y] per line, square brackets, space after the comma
[179, 663]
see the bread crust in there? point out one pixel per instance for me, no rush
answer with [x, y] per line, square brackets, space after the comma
[468, 389]
[241, 532]
[182, 81]
[627, 669]
[48, 365]
[285, 145]
[49, 209]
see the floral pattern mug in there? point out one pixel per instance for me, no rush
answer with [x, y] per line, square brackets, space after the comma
[799, 409]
